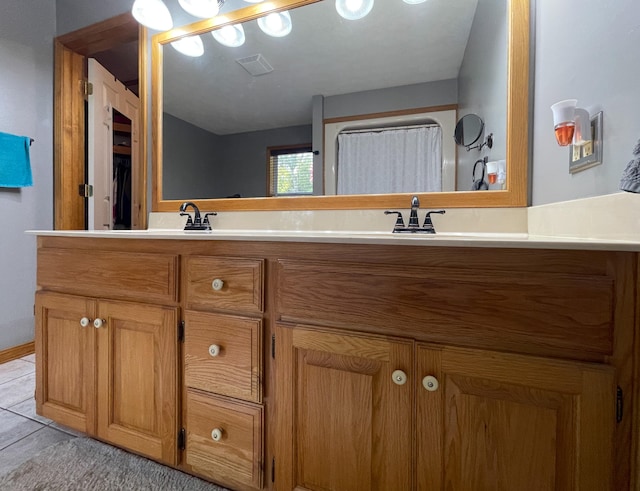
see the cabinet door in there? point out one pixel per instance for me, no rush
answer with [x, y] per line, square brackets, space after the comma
[137, 378]
[502, 422]
[65, 360]
[343, 423]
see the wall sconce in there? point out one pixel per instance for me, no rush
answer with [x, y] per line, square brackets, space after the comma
[574, 126]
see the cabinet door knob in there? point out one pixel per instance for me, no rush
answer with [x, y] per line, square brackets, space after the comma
[98, 323]
[216, 435]
[217, 284]
[430, 383]
[214, 350]
[399, 377]
[85, 321]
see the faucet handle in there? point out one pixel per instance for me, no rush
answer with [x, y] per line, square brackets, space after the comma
[205, 220]
[428, 224]
[189, 220]
[399, 220]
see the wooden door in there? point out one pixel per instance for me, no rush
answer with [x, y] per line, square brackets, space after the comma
[65, 360]
[343, 424]
[108, 95]
[137, 378]
[496, 422]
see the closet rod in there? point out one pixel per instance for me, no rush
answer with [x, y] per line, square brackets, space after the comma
[390, 128]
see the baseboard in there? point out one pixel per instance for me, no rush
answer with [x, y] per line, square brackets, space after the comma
[17, 352]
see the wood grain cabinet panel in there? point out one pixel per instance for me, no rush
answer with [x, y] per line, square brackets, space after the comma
[223, 354]
[343, 422]
[137, 378]
[65, 355]
[109, 274]
[239, 288]
[115, 377]
[499, 421]
[224, 439]
[539, 313]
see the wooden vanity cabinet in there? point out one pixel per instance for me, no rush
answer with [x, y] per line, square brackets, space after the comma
[109, 367]
[223, 415]
[454, 377]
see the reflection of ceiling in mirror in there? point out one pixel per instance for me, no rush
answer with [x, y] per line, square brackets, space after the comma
[396, 44]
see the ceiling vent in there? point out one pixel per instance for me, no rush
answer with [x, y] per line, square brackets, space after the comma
[255, 65]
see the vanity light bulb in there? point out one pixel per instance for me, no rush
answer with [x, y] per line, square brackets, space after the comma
[231, 36]
[189, 46]
[414, 2]
[353, 9]
[276, 24]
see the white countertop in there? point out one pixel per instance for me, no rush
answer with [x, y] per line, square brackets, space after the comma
[609, 222]
[445, 239]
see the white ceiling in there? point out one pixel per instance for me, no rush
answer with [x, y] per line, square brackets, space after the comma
[396, 44]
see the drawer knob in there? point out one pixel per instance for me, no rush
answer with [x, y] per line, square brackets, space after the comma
[399, 377]
[98, 323]
[214, 350]
[217, 284]
[216, 435]
[85, 321]
[430, 383]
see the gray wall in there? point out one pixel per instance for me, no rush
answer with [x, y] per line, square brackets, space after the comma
[586, 50]
[438, 93]
[482, 84]
[71, 15]
[190, 155]
[26, 94]
[199, 164]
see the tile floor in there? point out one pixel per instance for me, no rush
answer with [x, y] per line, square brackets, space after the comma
[22, 432]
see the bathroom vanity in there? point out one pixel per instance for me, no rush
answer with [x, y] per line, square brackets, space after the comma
[336, 362]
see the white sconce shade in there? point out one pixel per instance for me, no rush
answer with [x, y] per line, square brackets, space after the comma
[232, 36]
[189, 46]
[563, 121]
[153, 14]
[353, 9]
[414, 2]
[205, 9]
[277, 24]
[254, 1]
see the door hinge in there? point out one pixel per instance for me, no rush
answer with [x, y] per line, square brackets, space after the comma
[273, 470]
[182, 439]
[273, 346]
[619, 404]
[88, 88]
[85, 190]
[181, 331]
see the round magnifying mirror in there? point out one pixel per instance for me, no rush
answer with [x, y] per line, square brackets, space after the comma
[468, 130]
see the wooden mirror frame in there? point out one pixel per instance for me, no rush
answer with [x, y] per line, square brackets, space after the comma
[518, 110]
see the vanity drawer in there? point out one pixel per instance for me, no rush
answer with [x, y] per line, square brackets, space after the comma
[109, 274]
[233, 453]
[224, 283]
[568, 314]
[223, 354]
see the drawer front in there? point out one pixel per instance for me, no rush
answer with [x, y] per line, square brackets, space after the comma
[233, 453]
[109, 274]
[539, 313]
[224, 283]
[223, 354]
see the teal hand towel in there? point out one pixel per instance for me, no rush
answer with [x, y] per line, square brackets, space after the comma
[15, 164]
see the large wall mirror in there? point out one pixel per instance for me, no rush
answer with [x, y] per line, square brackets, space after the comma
[275, 122]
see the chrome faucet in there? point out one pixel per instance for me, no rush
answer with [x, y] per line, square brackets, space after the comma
[197, 222]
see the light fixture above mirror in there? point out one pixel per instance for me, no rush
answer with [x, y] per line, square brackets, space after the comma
[153, 14]
[277, 24]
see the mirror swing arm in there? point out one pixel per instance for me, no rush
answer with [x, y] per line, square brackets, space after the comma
[517, 145]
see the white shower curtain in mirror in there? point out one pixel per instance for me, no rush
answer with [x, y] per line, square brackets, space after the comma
[398, 160]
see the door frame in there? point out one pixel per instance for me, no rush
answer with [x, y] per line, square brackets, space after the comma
[70, 51]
